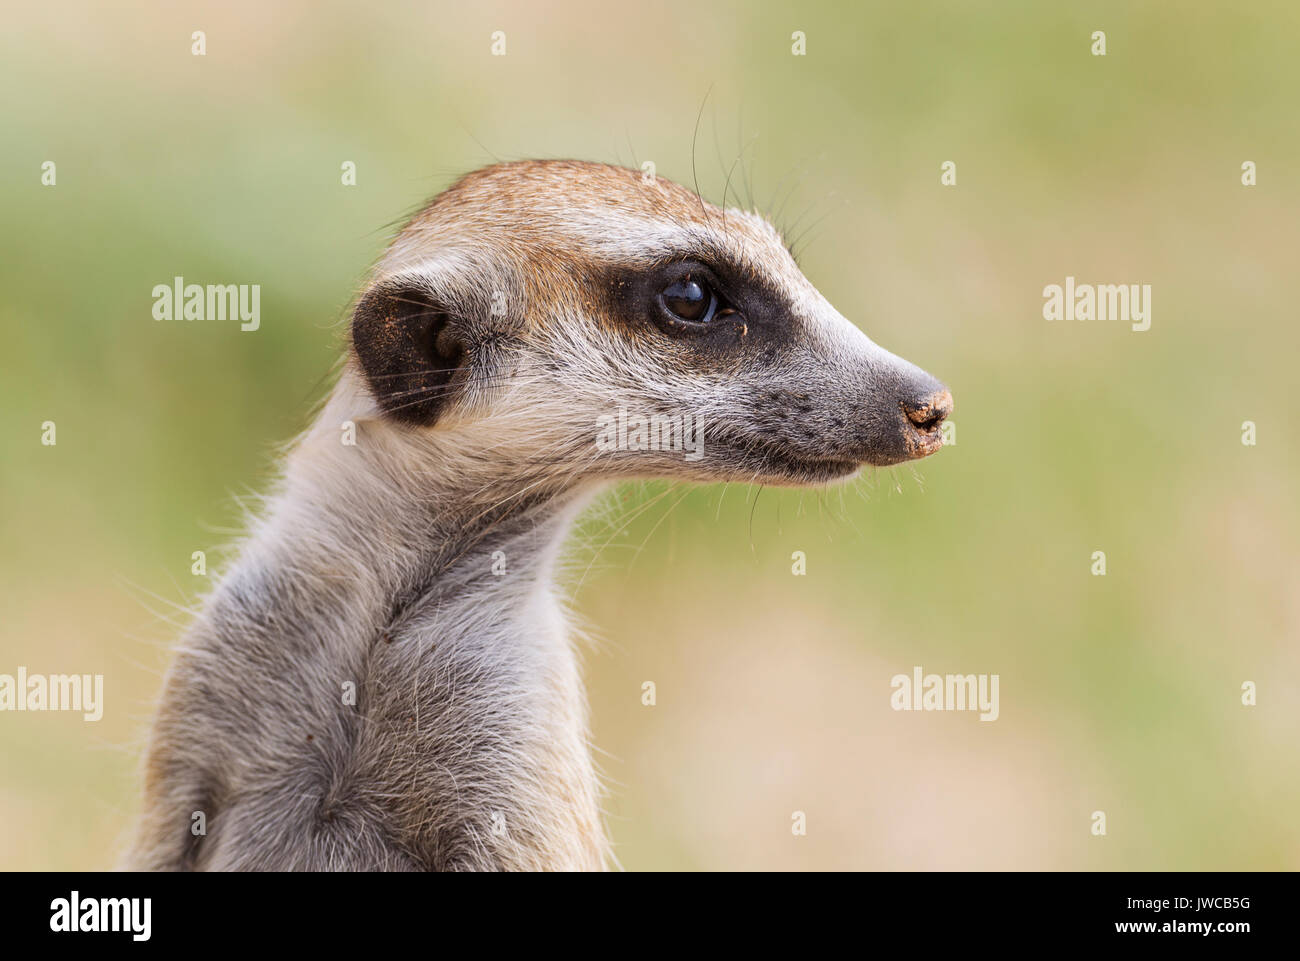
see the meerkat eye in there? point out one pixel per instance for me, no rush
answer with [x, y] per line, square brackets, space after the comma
[690, 300]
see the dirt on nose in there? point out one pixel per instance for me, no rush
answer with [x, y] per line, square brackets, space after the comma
[921, 422]
[929, 412]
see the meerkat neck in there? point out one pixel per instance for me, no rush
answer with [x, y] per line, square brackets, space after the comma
[437, 718]
[426, 507]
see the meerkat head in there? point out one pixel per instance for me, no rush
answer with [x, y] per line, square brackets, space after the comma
[587, 320]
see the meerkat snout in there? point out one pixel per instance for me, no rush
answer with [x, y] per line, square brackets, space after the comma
[593, 321]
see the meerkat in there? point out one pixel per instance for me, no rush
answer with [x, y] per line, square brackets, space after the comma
[362, 690]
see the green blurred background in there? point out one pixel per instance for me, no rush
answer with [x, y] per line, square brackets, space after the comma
[1118, 693]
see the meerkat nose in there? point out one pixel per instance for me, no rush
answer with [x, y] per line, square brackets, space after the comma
[928, 412]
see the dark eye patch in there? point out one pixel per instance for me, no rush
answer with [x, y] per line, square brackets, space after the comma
[710, 305]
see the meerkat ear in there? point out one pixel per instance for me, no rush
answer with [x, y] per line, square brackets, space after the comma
[410, 350]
